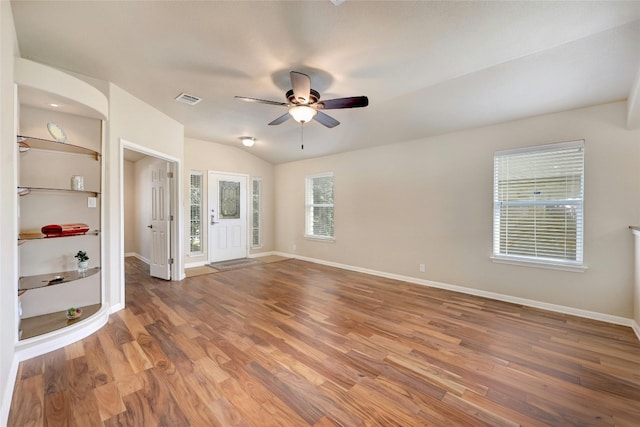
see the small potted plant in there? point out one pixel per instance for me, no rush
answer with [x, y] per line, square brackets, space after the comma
[83, 261]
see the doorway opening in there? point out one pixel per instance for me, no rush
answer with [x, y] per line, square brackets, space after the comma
[149, 209]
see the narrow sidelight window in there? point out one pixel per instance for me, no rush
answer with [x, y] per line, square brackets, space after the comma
[256, 217]
[195, 218]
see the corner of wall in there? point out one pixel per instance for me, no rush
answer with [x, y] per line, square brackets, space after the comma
[8, 214]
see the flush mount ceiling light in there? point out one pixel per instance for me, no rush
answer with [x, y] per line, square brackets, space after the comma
[302, 113]
[247, 141]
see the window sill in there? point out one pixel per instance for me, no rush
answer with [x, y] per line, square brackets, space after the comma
[539, 264]
[320, 238]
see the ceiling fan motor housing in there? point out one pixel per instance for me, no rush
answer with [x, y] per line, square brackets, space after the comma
[314, 96]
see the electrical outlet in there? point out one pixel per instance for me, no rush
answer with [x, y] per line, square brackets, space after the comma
[422, 268]
[92, 202]
[293, 247]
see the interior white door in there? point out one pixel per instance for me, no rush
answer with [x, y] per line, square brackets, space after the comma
[227, 216]
[160, 236]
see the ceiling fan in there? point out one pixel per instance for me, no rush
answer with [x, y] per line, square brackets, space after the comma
[305, 104]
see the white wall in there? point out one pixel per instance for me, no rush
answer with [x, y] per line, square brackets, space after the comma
[430, 201]
[136, 122]
[204, 156]
[8, 223]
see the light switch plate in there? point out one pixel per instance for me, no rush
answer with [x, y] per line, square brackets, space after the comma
[92, 202]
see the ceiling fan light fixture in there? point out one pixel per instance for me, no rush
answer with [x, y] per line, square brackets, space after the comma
[302, 113]
[247, 141]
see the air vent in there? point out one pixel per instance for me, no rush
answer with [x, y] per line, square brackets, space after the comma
[188, 99]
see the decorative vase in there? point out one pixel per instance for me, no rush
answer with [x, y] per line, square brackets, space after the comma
[77, 182]
[83, 266]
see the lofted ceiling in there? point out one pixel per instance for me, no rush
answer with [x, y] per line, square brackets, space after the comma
[428, 68]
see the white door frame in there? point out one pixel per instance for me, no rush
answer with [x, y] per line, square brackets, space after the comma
[247, 216]
[175, 192]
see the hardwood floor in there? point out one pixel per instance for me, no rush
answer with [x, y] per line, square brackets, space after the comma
[299, 344]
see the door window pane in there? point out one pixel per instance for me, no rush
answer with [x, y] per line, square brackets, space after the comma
[229, 200]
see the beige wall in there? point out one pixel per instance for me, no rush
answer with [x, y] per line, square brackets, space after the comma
[129, 196]
[430, 201]
[138, 123]
[81, 131]
[8, 223]
[208, 156]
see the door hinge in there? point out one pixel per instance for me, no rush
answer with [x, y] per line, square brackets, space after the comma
[170, 261]
[170, 217]
[169, 174]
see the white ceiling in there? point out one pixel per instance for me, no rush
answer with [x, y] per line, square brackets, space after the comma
[427, 67]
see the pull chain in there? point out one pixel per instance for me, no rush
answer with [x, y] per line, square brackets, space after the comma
[302, 136]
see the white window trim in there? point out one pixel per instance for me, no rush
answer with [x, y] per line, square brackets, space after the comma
[307, 191]
[201, 251]
[539, 263]
[578, 266]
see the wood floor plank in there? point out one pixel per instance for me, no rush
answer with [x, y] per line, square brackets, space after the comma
[109, 400]
[74, 350]
[136, 357]
[55, 371]
[29, 408]
[118, 362]
[57, 407]
[304, 408]
[299, 344]
[97, 361]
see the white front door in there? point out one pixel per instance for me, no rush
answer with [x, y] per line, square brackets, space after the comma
[160, 236]
[227, 216]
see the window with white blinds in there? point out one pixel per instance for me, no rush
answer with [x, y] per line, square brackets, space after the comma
[319, 206]
[195, 214]
[538, 197]
[256, 240]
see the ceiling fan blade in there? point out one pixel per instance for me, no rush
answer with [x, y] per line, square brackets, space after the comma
[261, 101]
[301, 85]
[283, 118]
[326, 120]
[351, 102]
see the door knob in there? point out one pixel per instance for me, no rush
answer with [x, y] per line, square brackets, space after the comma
[149, 226]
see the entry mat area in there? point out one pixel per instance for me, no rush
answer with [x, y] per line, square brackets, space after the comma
[234, 263]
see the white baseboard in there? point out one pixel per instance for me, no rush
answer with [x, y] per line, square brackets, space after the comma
[477, 292]
[636, 328]
[259, 254]
[196, 264]
[137, 255]
[7, 396]
[116, 307]
[141, 258]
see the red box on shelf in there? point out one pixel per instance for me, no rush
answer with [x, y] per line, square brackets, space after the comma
[59, 230]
